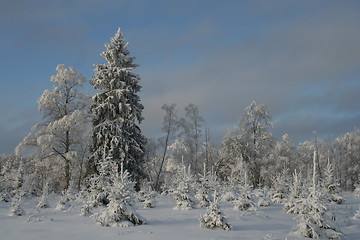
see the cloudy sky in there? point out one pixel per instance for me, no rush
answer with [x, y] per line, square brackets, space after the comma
[300, 58]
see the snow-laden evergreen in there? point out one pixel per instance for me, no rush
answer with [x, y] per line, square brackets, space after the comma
[314, 221]
[16, 208]
[331, 186]
[183, 192]
[120, 210]
[294, 202]
[214, 217]
[203, 188]
[117, 111]
[280, 187]
[245, 199]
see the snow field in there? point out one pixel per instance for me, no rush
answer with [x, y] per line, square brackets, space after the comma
[163, 222]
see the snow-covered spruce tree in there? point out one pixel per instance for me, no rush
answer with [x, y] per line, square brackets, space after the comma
[120, 211]
[244, 201]
[16, 209]
[117, 111]
[202, 193]
[56, 145]
[214, 217]
[296, 191]
[331, 186]
[314, 222]
[280, 187]
[183, 192]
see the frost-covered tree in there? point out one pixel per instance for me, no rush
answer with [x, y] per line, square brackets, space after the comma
[120, 210]
[183, 191]
[59, 143]
[16, 209]
[191, 133]
[296, 193]
[254, 126]
[244, 200]
[313, 220]
[116, 108]
[170, 125]
[249, 144]
[349, 158]
[44, 203]
[214, 217]
[280, 186]
[203, 188]
[331, 186]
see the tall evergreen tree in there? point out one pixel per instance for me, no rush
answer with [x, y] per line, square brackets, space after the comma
[116, 108]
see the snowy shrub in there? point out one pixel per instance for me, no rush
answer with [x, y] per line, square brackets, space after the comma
[64, 203]
[331, 186]
[296, 191]
[357, 191]
[280, 187]
[183, 196]
[245, 199]
[86, 210]
[214, 218]
[313, 221]
[16, 209]
[119, 211]
[44, 203]
[4, 197]
[264, 202]
[149, 199]
[229, 196]
[44, 198]
[118, 215]
[357, 214]
[317, 225]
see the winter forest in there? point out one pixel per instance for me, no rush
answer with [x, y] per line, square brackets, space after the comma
[88, 157]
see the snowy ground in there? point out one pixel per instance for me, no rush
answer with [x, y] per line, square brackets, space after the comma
[163, 223]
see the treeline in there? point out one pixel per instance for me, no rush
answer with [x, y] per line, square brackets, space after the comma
[84, 136]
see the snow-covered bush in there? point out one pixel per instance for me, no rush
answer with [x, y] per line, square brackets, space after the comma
[331, 186]
[214, 218]
[357, 214]
[120, 211]
[16, 209]
[44, 203]
[280, 187]
[313, 220]
[64, 203]
[183, 192]
[296, 191]
[149, 199]
[183, 196]
[263, 199]
[357, 190]
[244, 201]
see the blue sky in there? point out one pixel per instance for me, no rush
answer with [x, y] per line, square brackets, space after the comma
[300, 58]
